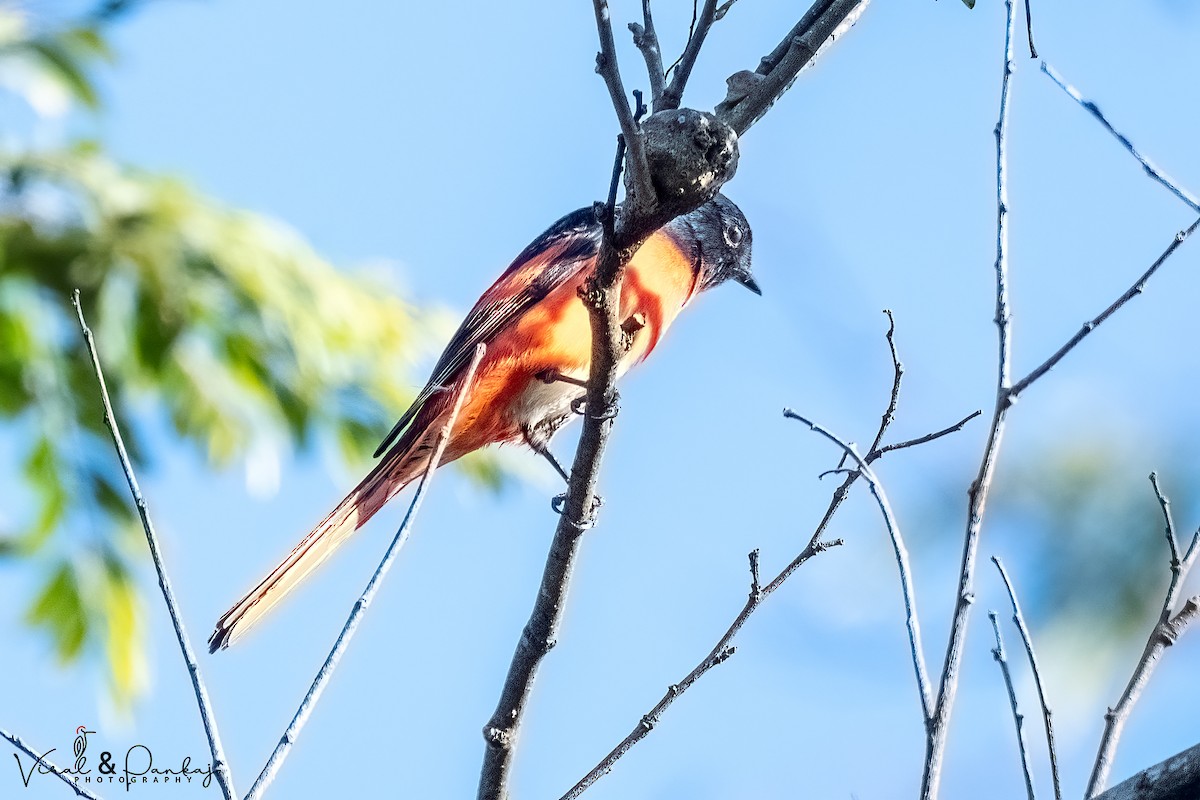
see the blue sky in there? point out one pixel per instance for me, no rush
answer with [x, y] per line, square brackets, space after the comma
[434, 140]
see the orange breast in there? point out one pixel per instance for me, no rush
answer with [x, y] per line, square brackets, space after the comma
[556, 334]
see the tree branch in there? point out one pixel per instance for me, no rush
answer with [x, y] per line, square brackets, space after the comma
[912, 621]
[1165, 504]
[1018, 717]
[645, 39]
[751, 94]
[1029, 29]
[673, 95]
[929, 437]
[1094, 110]
[220, 766]
[1177, 777]
[1019, 621]
[641, 190]
[578, 512]
[977, 496]
[718, 655]
[1164, 634]
[271, 768]
[42, 761]
[1136, 289]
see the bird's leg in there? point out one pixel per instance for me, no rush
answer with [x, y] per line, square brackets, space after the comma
[551, 375]
[539, 446]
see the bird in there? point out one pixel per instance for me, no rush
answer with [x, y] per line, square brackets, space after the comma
[538, 337]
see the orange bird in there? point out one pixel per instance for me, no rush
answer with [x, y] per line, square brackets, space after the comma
[539, 347]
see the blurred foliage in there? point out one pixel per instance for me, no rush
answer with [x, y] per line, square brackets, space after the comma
[1082, 533]
[223, 321]
[1096, 534]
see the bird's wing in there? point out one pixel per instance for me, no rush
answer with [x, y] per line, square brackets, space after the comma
[567, 247]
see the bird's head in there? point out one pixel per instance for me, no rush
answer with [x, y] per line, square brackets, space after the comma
[723, 239]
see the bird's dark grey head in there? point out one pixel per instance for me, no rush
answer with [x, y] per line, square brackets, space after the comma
[723, 238]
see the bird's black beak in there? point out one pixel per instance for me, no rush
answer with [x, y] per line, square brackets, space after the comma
[749, 283]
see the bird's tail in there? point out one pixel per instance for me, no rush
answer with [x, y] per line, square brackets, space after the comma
[395, 471]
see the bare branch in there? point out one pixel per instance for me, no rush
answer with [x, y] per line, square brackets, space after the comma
[929, 437]
[1018, 717]
[642, 194]
[1165, 505]
[40, 762]
[271, 768]
[220, 766]
[753, 93]
[1136, 289]
[912, 621]
[1178, 776]
[1019, 621]
[719, 654]
[889, 414]
[1094, 110]
[673, 94]
[977, 496]
[755, 582]
[645, 38]
[1029, 29]
[1164, 634]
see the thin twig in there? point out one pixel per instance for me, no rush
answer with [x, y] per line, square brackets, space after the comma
[935, 748]
[1019, 621]
[889, 413]
[41, 762]
[820, 26]
[220, 766]
[1165, 504]
[645, 38]
[718, 655]
[319, 683]
[673, 94]
[607, 67]
[1164, 634]
[929, 437]
[1018, 717]
[691, 32]
[1136, 289]
[1029, 29]
[912, 621]
[1094, 110]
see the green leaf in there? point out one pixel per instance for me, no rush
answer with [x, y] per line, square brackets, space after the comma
[59, 610]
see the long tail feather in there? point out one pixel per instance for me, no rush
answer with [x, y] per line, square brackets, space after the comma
[389, 477]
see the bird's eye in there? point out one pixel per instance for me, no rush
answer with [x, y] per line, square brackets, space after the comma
[733, 235]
